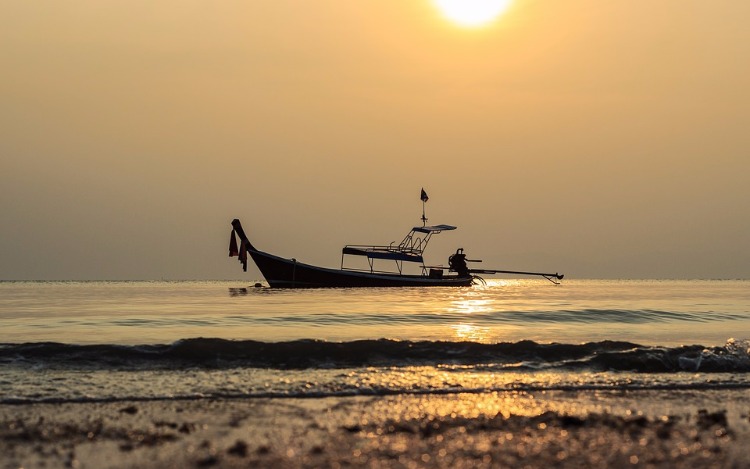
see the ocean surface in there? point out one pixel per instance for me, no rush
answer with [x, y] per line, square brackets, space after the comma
[109, 341]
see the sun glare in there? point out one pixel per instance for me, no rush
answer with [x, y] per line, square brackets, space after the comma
[472, 13]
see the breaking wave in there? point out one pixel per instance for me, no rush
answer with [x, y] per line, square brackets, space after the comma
[525, 355]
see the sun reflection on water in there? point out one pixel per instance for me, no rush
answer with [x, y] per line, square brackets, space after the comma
[475, 301]
[470, 305]
[471, 333]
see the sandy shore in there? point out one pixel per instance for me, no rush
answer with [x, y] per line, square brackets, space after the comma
[582, 429]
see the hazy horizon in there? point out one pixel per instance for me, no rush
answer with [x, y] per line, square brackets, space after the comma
[603, 140]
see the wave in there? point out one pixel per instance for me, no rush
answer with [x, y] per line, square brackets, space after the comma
[524, 355]
[379, 392]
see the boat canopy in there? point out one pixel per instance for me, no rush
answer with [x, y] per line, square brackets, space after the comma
[433, 228]
[383, 252]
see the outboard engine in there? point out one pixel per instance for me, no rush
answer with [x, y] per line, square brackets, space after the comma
[457, 263]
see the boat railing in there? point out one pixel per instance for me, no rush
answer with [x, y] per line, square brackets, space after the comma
[410, 242]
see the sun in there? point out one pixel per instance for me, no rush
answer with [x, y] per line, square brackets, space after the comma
[472, 13]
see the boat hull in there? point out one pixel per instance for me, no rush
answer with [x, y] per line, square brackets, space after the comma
[288, 273]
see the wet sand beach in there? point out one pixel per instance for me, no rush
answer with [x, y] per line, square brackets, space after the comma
[507, 429]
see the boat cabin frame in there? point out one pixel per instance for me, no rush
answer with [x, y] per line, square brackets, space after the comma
[410, 249]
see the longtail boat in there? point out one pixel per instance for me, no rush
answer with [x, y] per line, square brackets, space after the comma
[290, 273]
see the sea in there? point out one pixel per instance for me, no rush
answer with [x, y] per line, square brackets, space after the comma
[101, 341]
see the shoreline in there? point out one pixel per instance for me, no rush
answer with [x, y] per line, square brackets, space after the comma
[645, 428]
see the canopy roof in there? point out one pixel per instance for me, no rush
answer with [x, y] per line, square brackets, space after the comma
[433, 228]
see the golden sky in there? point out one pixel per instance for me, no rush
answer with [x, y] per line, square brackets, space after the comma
[597, 138]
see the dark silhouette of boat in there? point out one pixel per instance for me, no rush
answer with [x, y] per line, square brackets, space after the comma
[290, 273]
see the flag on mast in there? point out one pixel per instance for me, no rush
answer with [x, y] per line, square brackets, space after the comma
[423, 196]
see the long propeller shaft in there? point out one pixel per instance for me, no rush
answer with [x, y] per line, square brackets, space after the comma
[549, 277]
